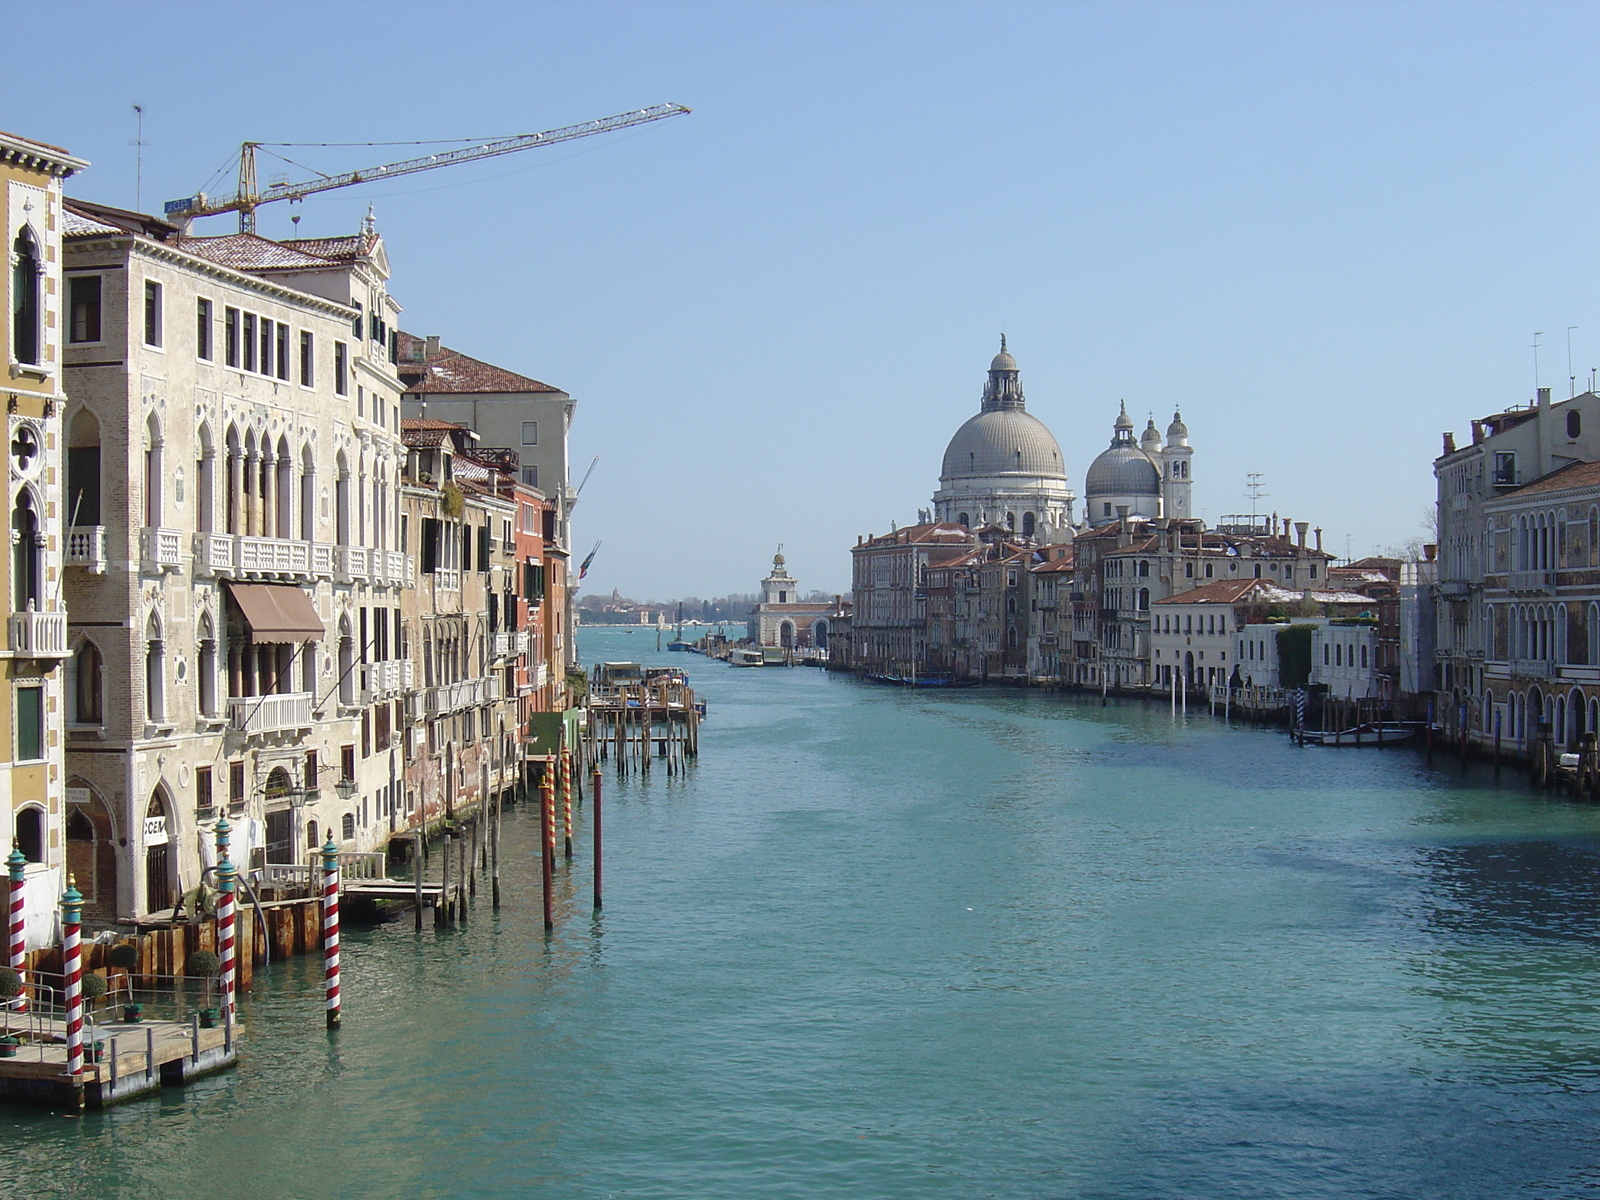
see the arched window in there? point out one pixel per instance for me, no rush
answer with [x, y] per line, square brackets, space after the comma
[1011, 637]
[30, 833]
[83, 470]
[1363, 655]
[27, 555]
[1144, 598]
[155, 669]
[308, 495]
[963, 518]
[207, 682]
[347, 825]
[152, 473]
[1027, 524]
[347, 662]
[341, 502]
[26, 280]
[87, 683]
[1011, 521]
[205, 482]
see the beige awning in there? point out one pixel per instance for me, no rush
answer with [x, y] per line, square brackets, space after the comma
[277, 613]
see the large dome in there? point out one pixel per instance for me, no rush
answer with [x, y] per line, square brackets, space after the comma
[1122, 470]
[1002, 441]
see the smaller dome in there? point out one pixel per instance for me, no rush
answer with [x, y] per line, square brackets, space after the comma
[1122, 470]
[1150, 439]
[1003, 361]
[1123, 421]
[778, 560]
[1177, 429]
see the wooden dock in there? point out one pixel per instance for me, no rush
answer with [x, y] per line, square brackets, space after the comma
[134, 1059]
[633, 724]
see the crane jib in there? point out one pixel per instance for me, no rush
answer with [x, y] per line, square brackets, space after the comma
[247, 199]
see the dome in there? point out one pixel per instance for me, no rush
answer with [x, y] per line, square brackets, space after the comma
[1002, 441]
[1177, 429]
[1150, 440]
[1122, 471]
[1003, 361]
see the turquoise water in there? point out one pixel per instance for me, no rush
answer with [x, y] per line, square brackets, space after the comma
[881, 943]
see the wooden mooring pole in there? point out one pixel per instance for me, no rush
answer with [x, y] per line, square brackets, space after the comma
[445, 913]
[416, 871]
[547, 849]
[494, 854]
[595, 786]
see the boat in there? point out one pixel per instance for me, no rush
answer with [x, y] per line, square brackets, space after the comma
[742, 656]
[1373, 733]
[677, 643]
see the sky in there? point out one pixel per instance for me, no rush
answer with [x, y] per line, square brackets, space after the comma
[1328, 232]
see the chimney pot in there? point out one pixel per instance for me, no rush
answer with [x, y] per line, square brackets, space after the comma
[433, 345]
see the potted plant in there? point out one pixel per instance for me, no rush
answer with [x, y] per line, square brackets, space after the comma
[206, 965]
[124, 956]
[10, 989]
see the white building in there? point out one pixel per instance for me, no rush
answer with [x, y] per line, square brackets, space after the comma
[1344, 659]
[234, 562]
[782, 618]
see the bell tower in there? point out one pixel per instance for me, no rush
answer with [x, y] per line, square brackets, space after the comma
[779, 587]
[1176, 461]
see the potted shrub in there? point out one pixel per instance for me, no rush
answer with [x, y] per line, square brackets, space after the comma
[206, 965]
[124, 956]
[10, 989]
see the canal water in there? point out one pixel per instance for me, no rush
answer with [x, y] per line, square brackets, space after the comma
[891, 943]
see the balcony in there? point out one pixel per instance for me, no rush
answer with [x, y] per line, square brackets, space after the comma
[279, 557]
[383, 680]
[160, 549]
[270, 714]
[1532, 582]
[86, 547]
[39, 634]
[350, 562]
[509, 645]
[1453, 589]
[463, 693]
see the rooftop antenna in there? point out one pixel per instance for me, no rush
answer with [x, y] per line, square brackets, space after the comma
[138, 159]
[1254, 491]
[1537, 334]
[1572, 380]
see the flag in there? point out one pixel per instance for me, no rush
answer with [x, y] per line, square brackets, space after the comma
[583, 567]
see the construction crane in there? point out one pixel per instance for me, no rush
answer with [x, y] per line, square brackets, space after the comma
[249, 198]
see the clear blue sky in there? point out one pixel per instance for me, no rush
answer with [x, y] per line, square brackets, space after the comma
[1328, 231]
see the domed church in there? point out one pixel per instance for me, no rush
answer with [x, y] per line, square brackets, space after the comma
[1003, 466]
[1143, 479]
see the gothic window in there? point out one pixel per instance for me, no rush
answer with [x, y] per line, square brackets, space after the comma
[25, 300]
[88, 708]
[27, 555]
[155, 664]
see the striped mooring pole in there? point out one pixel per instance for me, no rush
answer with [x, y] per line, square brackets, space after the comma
[330, 928]
[594, 793]
[547, 838]
[226, 945]
[566, 794]
[15, 935]
[72, 970]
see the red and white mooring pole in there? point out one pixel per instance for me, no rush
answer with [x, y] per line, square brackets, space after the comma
[227, 952]
[72, 969]
[330, 928]
[16, 939]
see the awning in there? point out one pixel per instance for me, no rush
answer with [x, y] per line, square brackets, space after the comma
[276, 613]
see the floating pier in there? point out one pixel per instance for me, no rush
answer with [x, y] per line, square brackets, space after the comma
[635, 722]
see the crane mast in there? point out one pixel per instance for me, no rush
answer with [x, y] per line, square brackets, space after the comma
[249, 197]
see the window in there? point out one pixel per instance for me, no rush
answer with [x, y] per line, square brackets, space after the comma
[83, 296]
[1574, 423]
[530, 476]
[1505, 468]
[1288, 572]
[347, 826]
[347, 764]
[1209, 570]
[530, 433]
[202, 788]
[311, 784]
[308, 371]
[86, 694]
[249, 341]
[27, 265]
[236, 783]
[202, 329]
[341, 370]
[30, 833]
[152, 313]
[1188, 570]
[266, 346]
[230, 336]
[283, 351]
[30, 723]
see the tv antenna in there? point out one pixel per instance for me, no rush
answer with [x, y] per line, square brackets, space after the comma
[1537, 334]
[1572, 380]
[138, 158]
[1254, 490]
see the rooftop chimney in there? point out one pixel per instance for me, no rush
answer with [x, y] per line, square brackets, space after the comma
[1430, 552]
[1319, 539]
[433, 345]
[1300, 528]
[1449, 443]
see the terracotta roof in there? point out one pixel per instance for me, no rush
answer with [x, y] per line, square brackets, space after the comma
[451, 372]
[1055, 566]
[428, 423]
[1224, 591]
[74, 225]
[17, 137]
[123, 219]
[921, 533]
[1574, 475]
[338, 249]
[248, 252]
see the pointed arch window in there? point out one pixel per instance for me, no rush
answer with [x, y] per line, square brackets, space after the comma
[88, 702]
[26, 281]
[155, 668]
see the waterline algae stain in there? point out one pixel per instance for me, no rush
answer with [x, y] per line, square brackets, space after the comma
[885, 943]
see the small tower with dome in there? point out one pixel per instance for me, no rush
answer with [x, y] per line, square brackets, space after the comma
[1003, 466]
[779, 587]
[1176, 461]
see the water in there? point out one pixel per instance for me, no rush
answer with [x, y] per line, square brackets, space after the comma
[965, 944]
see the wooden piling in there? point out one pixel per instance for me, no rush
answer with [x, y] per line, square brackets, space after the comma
[416, 871]
[472, 873]
[546, 849]
[595, 786]
[494, 854]
[465, 865]
[445, 914]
